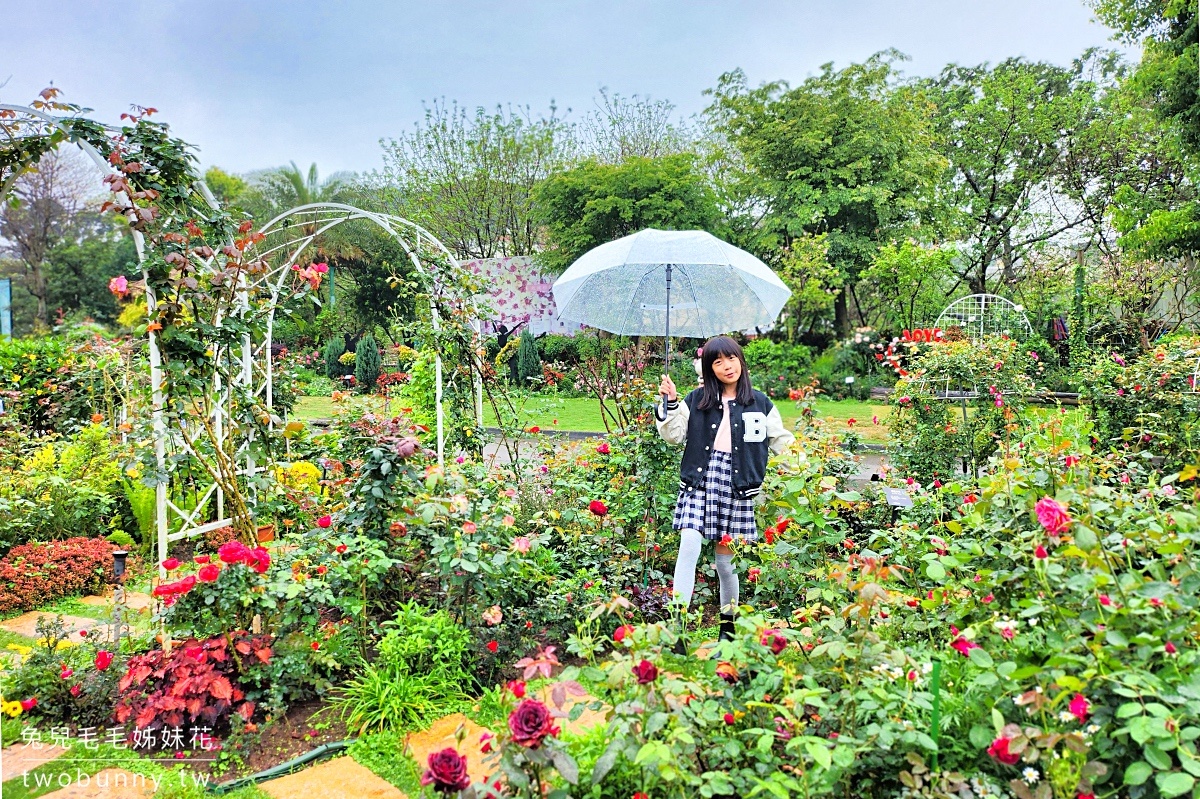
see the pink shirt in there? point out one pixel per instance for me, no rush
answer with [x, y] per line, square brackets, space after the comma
[722, 442]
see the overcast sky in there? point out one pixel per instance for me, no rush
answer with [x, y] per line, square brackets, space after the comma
[257, 84]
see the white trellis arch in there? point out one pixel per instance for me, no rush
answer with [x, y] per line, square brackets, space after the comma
[286, 238]
[292, 232]
[981, 315]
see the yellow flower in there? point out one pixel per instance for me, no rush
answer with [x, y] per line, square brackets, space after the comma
[11, 709]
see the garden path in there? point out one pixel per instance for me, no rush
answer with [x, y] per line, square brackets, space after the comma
[340, 778]
[343, 778]
[26, 623]
[20, 758]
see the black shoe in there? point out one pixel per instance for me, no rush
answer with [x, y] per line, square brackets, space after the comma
[726, 627]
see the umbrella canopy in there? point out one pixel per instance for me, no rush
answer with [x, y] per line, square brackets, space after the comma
[715, 287]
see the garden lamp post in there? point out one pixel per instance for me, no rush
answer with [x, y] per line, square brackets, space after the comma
[119, 556]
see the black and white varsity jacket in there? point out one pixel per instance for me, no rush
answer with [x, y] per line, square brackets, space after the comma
[755, 431]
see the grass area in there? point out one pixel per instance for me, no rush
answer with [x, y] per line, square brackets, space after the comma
[583, 414]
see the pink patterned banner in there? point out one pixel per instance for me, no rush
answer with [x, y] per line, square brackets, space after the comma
[519, 293]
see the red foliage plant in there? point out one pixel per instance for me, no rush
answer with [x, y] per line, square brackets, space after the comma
[39, 572]
[196, 682]
[388, 379]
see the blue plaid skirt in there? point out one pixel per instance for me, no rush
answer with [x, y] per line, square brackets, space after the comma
[715, 512]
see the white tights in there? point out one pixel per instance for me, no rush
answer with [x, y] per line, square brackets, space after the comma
[685, 572]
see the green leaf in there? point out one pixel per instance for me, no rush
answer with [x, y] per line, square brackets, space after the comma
[1138, 773]
[1115, 638]
[1176, 783]
[935, 571]
[566, 765]
[606, 761]
[819, 753]
[1129, 709]
[1085, 539]
[1157, 757]
[981, 658]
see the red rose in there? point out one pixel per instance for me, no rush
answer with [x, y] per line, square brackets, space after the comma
[775, 640]
[729, 718]
[83, 633]
[233, 552]
[29, 704]
[209, 573]
[321, 570]
[260, 559]
[597, 507]
[493, 647]
[517, 688]
[202, 559]
[999, 751]
[324, 521]
[341, 549]
[76, 689]
[104, 659]
[530, 723]
[535, 429]
[316, 645]
[171, 564]
[622, 632]
[727, 672]
[447, 772]
[646, 672]
[602, 448]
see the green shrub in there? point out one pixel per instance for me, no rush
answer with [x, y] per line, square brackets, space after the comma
[86, 696]
[529, 364]
[776, 367]
[1149, 404]
[367, 364]
[333, 351]
[564, 349]
[320, 387]
[418, 675]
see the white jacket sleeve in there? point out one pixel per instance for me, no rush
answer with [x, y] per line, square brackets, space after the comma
[673, 429]
[779, 437]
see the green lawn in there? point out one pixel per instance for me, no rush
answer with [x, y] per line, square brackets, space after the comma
[581, 413]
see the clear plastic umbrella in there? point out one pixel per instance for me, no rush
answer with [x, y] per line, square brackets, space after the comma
[659, 282]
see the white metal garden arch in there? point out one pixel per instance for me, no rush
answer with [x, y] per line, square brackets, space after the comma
[286, 238]
[981, 315]
[292, 232]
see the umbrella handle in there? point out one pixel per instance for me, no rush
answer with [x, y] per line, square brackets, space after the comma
[661, 414]
[660, 411]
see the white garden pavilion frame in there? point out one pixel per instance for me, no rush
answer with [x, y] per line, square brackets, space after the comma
[286, 238]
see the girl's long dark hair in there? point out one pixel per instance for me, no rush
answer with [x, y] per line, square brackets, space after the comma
[714, 348]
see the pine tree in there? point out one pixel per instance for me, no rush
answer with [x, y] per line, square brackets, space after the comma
[367, 363]
[333, 350]
[529, 363]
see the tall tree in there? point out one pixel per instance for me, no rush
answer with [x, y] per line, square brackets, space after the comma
[1005, 132]
[44, 209]
[634, 127]
[847, 153]
[594, 203]
[469, 179]
[1169, 32]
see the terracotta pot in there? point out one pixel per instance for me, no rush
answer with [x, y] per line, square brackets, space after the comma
[266, 533]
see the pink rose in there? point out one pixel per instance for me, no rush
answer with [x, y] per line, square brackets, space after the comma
[1052, 515]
